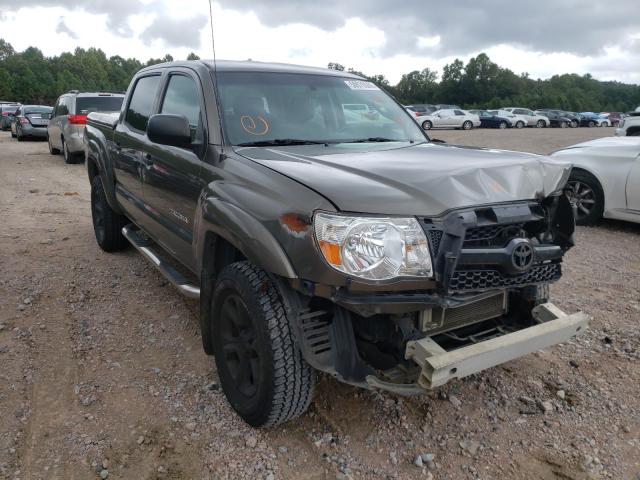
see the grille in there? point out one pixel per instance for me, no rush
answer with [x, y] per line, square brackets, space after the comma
[489, 232]
[434, 239]
[487, 279]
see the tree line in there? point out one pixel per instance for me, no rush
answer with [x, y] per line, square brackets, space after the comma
[31, 77]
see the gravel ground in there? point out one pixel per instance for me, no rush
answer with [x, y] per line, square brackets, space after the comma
[103, 374]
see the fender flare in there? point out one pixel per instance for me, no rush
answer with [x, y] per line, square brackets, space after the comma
[245, 233]
[96, 153]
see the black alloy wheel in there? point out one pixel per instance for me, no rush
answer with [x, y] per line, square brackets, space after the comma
[261, 368]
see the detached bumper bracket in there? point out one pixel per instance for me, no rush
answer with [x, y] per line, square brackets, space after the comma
[439, 366]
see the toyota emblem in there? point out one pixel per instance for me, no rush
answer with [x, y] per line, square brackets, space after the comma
[522, 256]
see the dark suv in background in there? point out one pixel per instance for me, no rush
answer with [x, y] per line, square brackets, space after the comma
[69, 116]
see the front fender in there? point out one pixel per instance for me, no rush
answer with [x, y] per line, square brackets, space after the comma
[245, 233]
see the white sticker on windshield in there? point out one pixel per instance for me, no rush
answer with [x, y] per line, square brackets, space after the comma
[361, 85]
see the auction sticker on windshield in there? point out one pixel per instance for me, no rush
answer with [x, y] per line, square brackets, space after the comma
[361, 85]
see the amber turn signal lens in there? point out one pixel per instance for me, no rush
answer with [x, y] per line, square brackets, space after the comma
[331, 252]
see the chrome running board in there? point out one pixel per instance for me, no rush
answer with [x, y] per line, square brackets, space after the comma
[170, 273]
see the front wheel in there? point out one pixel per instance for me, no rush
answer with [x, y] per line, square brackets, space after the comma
[520, 124]
[262, 372]
[502, 125]
[467, 125]
[586, 194]
[107, 224]
[563, 125]
[574, 124]
[540, 124]
[592, 124]
[604, 124]
[427, 125]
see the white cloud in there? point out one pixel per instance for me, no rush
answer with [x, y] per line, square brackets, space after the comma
[242, 35]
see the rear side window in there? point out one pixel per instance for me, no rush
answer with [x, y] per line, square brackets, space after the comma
[458, 112]
[141, 104]
[63, 106]
[86, 105]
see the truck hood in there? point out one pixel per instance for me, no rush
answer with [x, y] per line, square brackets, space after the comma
[425, 179]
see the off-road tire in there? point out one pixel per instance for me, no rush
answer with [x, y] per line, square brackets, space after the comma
[52, 150]
[284, 382]
[107, 224]
[427, 125]
[591, 182]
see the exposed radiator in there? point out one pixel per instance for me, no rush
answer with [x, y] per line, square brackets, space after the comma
[438, 319]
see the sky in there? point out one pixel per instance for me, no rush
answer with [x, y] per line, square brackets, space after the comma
[543, 38]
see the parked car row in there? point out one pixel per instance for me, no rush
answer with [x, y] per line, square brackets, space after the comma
[63, 124]
[452, 116]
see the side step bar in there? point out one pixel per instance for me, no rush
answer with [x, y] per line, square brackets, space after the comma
[170, 273]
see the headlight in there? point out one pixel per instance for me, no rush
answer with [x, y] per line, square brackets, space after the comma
[373, 248]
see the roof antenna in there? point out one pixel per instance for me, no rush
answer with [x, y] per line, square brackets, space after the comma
[215, 79]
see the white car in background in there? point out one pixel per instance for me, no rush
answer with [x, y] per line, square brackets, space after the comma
[528, 118]
[605, 179]
[449, 118]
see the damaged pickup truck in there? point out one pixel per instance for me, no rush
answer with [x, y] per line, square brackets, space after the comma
[319, 237]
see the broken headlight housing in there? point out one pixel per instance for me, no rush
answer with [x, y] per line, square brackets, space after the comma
[373, 248]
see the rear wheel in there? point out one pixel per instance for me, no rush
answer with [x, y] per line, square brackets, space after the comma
[502, 125]
[519, 124]
[604, 124]
[13, 135]
[261, 369]
[574, 123]
[52, 150]
[19, 134]
[107, 224]
[563, 125]
[591, 124]
[586, 194]
[540, 124]
[427, 125]
[467, 125]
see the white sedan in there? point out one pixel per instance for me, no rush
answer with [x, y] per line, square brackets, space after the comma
[605, 180]
[528, 118]
[449, 118]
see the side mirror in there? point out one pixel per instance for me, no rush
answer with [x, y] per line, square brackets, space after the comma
[172, 130]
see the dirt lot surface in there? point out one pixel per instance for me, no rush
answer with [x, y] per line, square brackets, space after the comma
[102, 370]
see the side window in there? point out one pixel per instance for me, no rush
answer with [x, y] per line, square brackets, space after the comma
[458, 112]
[182, 98]
[63, 108]
[141, 103]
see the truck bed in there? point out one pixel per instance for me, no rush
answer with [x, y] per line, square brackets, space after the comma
[103, 119]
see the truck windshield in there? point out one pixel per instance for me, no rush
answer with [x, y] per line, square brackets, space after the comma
[286, 108]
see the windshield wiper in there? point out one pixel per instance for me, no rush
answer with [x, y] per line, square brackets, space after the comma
[374, 139]
[279, 142]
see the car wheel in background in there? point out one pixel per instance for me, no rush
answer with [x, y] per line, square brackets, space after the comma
[261, 368]
[574, 124]
[502, 125]
[615, 123]
[564, 124]
[604, 124]
[592, 124]
[13, 135]
[107, 224]
[19, 135]
[427, 125]
[68, 156]
[467, 125]
[519, 124]
[52, 150]
[586, 194]
[540, 124]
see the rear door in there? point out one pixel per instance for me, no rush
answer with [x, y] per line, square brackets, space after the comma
[130, 140]
[171, 175]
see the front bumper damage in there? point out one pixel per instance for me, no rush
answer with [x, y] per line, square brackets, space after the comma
[439, 366]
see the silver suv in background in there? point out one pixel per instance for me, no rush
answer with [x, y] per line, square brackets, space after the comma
[69, 116]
